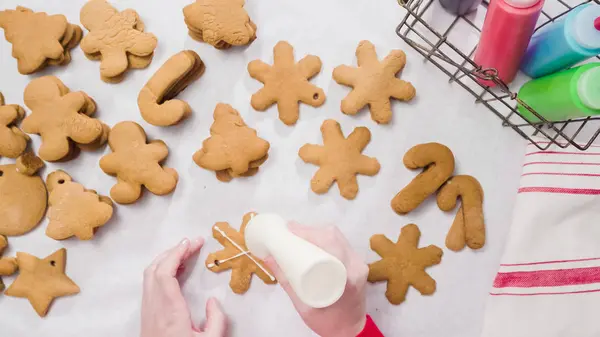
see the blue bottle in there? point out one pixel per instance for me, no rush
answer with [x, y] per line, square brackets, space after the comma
[564, 43]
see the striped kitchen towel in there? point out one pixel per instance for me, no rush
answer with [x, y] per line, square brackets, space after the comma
[549, 280]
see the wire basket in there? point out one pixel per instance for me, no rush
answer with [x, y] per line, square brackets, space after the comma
[424, 29]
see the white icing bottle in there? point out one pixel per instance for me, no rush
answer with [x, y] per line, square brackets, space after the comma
[317, 277]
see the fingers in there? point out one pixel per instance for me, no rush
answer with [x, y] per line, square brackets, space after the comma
[177, 255]
[216, 321]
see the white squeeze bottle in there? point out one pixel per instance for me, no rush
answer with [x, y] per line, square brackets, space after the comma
[317, 277]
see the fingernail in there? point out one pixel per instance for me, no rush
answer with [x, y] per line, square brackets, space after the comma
[185, 242]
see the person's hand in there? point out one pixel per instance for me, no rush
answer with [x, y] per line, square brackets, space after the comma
[164, 310]
[346, 317]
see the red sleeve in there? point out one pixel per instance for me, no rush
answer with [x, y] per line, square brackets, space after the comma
[370, 329]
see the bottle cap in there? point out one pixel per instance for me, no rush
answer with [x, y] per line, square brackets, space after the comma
[586, 28]
[522, 3]
[588, 88]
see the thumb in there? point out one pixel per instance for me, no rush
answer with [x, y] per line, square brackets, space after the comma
[216, 322]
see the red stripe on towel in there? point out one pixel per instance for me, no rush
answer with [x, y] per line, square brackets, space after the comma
[560, 190]
[581, 153]
[548, 278]
[548, 293]
[548, 262]
[560, 174]
[559, 163]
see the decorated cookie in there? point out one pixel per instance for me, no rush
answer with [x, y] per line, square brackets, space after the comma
[73, 210]
[286, 83]
[468, 226]
[38, 39]
[8, 266]
[235, 256]
[374, 82]
[42, 280]
[136, 163]
[233, 149]
[220, 23]
[403, 264]
[23, 196]
[156, 101]
[60, 117]
[340, 159]
[113, 35]
[437, 162]
[13, 141]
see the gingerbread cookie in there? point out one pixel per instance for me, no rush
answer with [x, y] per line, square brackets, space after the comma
[403, 264]
[60, 117]
[374, 82]
[42, 280]
[468, 226]
[135, 163]
[23, 196]
[220, 23]
[13, 141]
[8, 266]
[156, 101]
[235, 256]
[38, 39]
[74, 210]
[437, 162]
[233, 149]
[286, 83]
[113, 35]
[340, 159]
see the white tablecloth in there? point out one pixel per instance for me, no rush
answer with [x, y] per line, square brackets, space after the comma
[109, 268]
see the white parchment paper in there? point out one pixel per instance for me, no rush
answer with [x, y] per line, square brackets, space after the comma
[109, 268]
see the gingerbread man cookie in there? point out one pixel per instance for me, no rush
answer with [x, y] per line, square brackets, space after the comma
[74, 210]
[437, 162]
[42, 280]
[23, 195]
[114, 35]
[286, 83]
[340, 159]
[235, 256]
[13, 141]
[468, 226]
[8, 266]
[374, 82]
[135, 163]
[60, 117]
[220, 23]
[155, 99]
[234, 149]
[403, 264]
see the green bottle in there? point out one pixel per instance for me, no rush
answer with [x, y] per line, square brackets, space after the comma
[560, 96]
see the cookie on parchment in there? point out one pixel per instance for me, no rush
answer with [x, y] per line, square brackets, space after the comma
[340, 159]
[13, 141]
[136, 163]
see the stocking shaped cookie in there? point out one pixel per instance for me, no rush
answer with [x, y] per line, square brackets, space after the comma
[374, 82]
[73, 210]
[232, 145]
[113, 35]
[59, 117]
[235, 256]
[220, 23]
[13, 141]
[468, 226]
[340, 159]
[23, 196]
[8, 266]
[35, 37]
[403, 264]
[42, 280]
[437, 162]
[135, 163]
[286, 83]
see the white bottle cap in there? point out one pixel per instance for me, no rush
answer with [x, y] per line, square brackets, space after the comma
[521, 3]
[584, 31]
[588, 88]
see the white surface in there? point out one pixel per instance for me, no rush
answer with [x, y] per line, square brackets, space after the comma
[584, 32]
[522, 3]
[588, 88]
[317, 277]
[109, 268]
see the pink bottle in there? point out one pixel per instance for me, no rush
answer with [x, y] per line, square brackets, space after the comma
[508, 27]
